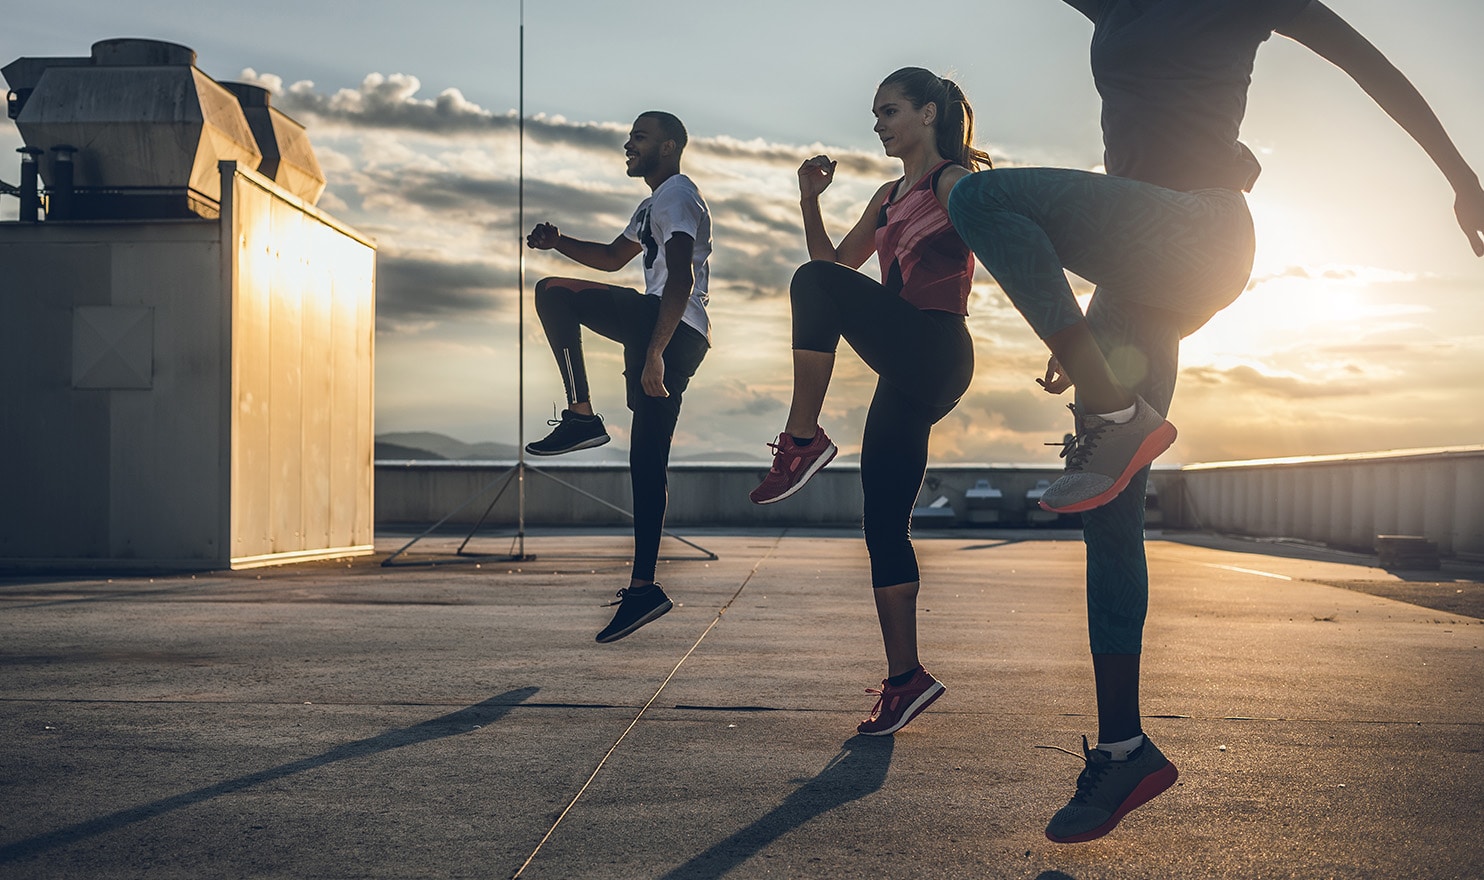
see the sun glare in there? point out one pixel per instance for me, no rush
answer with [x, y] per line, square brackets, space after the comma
[1303, 306]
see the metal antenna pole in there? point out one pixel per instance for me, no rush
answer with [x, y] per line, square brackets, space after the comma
[520, 296]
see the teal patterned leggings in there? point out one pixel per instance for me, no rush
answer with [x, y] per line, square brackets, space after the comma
[1164, 262]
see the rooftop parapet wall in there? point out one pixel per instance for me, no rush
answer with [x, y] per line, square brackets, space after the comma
[1344, 500]
[708, 494]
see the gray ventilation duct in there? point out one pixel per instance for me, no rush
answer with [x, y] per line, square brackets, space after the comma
[288, 159]
[148, 129]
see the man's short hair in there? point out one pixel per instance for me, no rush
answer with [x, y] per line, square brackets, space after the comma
[670, 126]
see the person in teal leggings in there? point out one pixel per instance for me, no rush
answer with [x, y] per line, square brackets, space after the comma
[1166, 237]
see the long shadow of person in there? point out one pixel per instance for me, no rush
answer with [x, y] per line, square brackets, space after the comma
[858, 769]
[462, 721]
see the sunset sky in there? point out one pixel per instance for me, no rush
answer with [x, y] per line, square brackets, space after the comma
[1363, 327]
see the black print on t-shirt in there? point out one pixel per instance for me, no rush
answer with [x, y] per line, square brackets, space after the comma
[646, 238]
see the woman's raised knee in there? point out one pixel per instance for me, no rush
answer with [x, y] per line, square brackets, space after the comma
[812, 277]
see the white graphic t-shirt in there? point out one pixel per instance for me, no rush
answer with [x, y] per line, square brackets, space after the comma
[675, 206]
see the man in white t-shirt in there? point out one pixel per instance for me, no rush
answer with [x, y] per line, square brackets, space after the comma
[664, 332]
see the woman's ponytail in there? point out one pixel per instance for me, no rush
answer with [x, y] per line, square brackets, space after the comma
[954, 129]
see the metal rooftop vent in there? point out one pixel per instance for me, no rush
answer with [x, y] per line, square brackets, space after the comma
[136, 131]
[288, 159]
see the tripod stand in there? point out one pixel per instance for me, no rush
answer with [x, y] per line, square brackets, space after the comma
[517, 548]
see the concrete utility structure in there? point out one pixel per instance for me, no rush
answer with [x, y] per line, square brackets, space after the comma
[187, 380]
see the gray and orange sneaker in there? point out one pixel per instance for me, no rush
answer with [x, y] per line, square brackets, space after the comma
[895, 706]
[1107, 790]
[793, 465]
[1104, 455]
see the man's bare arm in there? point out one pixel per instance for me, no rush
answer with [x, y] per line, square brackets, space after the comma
[605, 257]
[679, 281]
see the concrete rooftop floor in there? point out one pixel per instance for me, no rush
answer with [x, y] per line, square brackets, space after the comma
[340, 720]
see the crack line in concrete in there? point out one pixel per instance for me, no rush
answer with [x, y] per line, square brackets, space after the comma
[645, 708]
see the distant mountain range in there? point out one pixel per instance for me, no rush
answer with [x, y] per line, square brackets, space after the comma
[432, 446]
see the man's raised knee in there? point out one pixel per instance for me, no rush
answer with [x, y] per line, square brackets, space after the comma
[547, 290]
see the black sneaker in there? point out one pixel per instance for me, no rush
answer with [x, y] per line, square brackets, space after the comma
[1107, 789]
[636, 607]
[572, 432]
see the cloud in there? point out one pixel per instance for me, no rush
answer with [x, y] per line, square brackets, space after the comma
[381, 101]
[414, 287]
[851, 162]
[1353, 274]
[462, 196]
[1246, 378]
[756, 404]
[391, 102]
[1018, 411]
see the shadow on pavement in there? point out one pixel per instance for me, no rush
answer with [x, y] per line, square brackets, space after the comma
[462, 721]
[858, 769]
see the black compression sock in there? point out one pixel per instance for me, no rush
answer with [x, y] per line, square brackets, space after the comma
[899, 680]
[801, 441]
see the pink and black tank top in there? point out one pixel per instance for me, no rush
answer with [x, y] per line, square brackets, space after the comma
[922, 258]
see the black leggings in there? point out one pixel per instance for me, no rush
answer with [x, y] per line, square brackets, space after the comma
[626, 316]
[924, 360]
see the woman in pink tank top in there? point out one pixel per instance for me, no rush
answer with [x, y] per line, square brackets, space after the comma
[909, 328]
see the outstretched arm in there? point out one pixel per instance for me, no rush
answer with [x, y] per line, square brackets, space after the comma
[605, 257]
[1320, 29]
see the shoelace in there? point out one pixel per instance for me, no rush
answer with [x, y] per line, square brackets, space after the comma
[880, 694]
[621, 594]
[1091, 773]
[1077, 448]
[777, 450]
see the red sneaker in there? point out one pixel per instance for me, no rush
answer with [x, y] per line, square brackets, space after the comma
[898, 705]
[793, 465]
